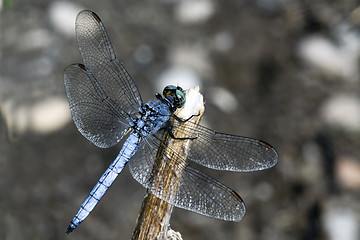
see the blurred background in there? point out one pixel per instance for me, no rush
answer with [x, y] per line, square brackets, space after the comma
[284, 71]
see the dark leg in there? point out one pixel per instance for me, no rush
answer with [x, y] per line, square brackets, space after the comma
[169, 130]
[182, 121]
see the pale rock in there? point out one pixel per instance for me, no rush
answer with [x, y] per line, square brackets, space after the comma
[62, 16]
[342, 111]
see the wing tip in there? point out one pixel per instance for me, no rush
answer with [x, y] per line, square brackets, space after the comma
[95, 16]
[85, 13]
[72, 67]
[238, 218]
[270, 147]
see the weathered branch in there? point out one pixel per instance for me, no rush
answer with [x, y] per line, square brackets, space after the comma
[154, 219]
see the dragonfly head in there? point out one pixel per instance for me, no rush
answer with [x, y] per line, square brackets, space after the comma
[175, 96]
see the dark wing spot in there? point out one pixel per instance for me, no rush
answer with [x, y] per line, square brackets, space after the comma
[265, 144]
[82, 66]
[236, 196]
[97, 18]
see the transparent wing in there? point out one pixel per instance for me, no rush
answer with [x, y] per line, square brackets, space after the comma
[196, 192]
[95, 115]
[202, 194]
[102, 95]
[110, 76]
[227, 152]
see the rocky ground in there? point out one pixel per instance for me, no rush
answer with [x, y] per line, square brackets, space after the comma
[283, 71]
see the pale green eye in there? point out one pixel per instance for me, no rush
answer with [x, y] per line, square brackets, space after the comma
[180, 96]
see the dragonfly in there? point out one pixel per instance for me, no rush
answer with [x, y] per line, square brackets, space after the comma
[106, 106]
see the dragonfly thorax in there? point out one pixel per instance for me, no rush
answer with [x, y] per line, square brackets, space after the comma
[151, 117]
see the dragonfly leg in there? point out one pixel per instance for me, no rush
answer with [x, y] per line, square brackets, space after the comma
[168, 128]
[185, 120]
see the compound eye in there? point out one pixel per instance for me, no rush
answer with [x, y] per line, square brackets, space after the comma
[168, 90]
[180, 98]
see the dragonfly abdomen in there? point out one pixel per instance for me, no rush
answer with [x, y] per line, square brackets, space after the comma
[127, 151]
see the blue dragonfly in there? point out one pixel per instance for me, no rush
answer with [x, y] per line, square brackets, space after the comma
[106, 106]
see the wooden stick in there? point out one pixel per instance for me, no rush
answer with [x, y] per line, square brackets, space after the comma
[154, 219]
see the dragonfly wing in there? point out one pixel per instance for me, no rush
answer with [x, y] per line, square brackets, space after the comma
[110, 76]
[202, 194]
[142, 163]
[222, 151]
[95, 115]
[196, 191]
